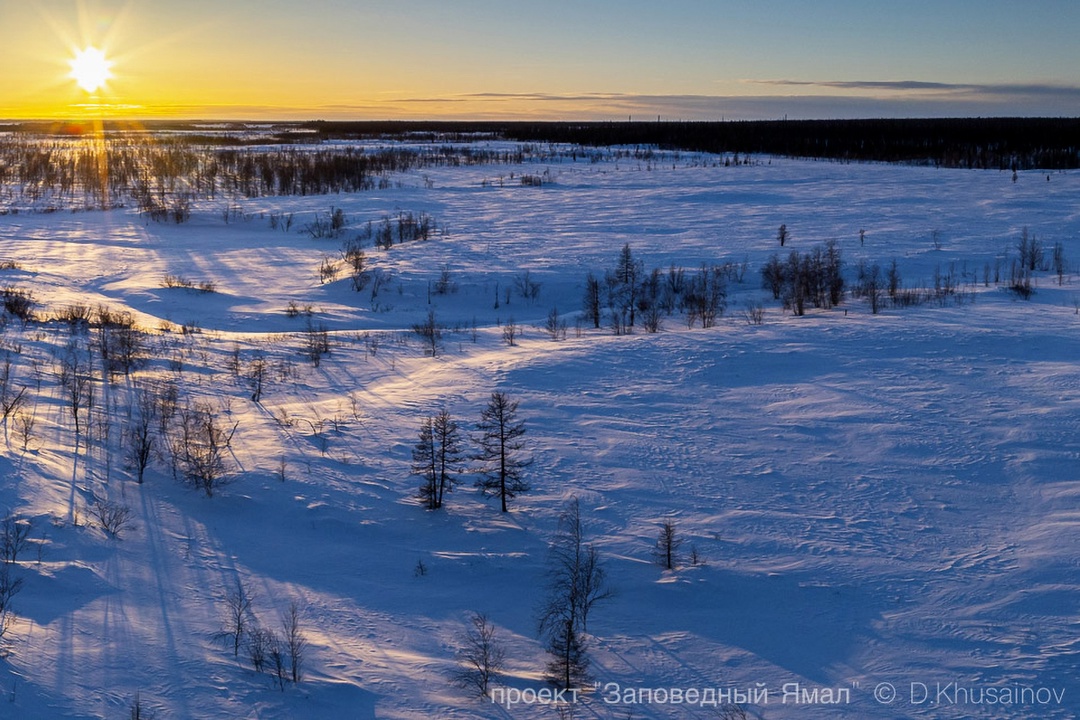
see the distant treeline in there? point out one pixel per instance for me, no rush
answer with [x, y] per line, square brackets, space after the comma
[988, 143]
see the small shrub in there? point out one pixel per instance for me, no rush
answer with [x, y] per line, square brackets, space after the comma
[18, 303]
[113, 517]
[510, 332]
[754, 313]
[555, 326]
[293, 310]
[14, 536]
[316, 342]
[76, 316]
[328, 270]
[176, 281]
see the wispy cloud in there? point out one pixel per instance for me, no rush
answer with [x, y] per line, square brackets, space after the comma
[831, 99]
[1050, 90]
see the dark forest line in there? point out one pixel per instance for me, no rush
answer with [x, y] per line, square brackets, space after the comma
[986, 143]
[989, 143]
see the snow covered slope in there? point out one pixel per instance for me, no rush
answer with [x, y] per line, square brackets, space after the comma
[872, 498]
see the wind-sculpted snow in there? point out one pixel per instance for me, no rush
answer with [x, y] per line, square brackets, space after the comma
[872, 499]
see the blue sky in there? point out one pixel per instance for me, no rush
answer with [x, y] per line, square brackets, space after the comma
[554, 59]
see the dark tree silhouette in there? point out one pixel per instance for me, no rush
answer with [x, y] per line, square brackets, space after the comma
[576, 582]
[591, 302]
[437, 458]
[500, 440]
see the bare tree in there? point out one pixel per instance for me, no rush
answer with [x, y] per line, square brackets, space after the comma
[121, 342]
[141, 437]
[295, 642]
[76, 382]
[10, 401]
[24, 426]
[259, 641]
[257, 371]
[430, 333]
[14, 536]
[9, 588]
[480, 656]
[893, 280]
[1031, 251]
[796, 290]
[772, 276]
[445, 284]
[238, 623]
[136, 710]
[576, 581]
[510, 332]
[438, 457]
[576, 577]
[668, 543]
[501, 443]
[706, 298]
[328, 270]
[1058, 262]
[316, 342]
[591, 302]
[832, 276]
[754, 313]
[201, 448]
[554, 326]
[528, 288]
[357, 263]
[112, 516]
[652, 318]
[276, 655]
[870, 286]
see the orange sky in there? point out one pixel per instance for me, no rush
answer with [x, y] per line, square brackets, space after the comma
[558, 59]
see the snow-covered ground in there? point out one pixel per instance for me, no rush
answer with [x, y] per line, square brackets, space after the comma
[890, 498]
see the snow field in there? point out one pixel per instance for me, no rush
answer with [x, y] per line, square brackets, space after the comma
[887, 498]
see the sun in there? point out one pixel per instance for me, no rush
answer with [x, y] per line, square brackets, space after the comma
[90, 69]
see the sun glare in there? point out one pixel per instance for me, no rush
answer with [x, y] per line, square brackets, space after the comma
[90, 69]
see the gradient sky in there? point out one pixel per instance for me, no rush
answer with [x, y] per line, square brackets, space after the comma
[550, 59]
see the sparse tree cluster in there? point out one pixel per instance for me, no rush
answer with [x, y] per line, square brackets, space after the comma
[405, 227]
[17, 303]
[316, 339]
[200, 447]
[439, 456]
[430, 332]
[576, 582]
[480, 656]
[14, 538]
[632, 296]
[814, 278]
[282, 655]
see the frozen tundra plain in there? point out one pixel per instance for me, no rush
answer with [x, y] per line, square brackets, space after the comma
[872, 498]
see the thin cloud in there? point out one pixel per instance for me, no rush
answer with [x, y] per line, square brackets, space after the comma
[903, 99]
[984, 89]
[920, 100]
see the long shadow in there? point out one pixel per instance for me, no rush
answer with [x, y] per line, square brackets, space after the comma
[794, 621]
